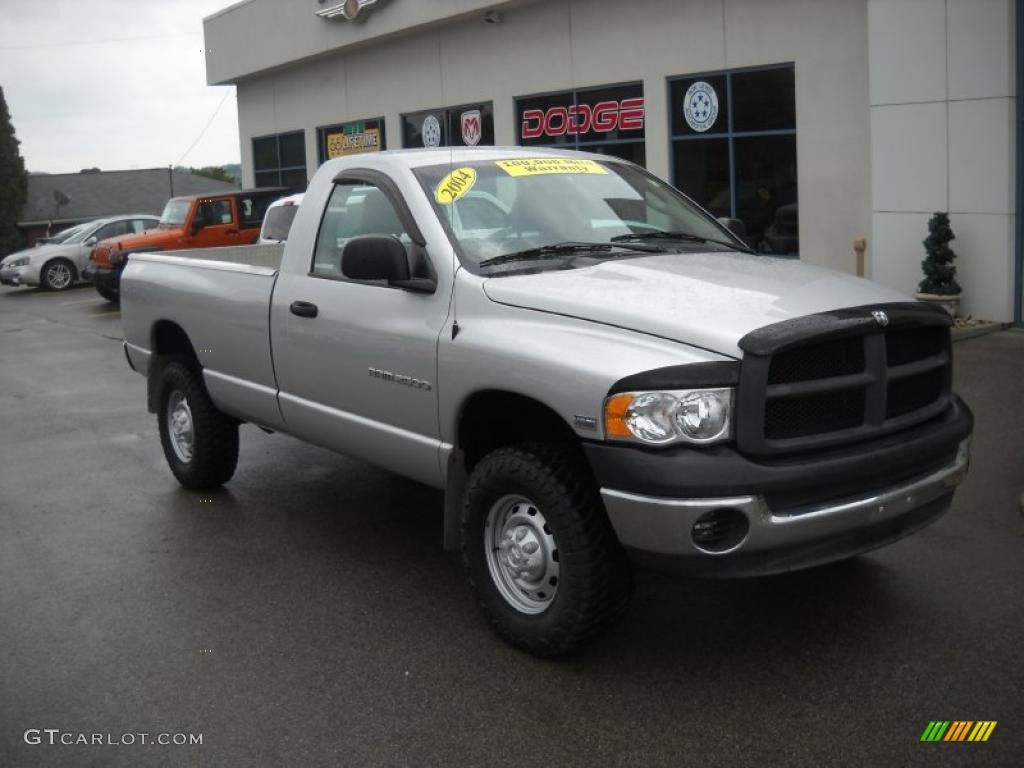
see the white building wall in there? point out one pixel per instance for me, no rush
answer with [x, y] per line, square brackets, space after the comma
[942, 139]
[561, 44]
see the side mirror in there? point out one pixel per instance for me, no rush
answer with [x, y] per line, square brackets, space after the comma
[197, 224]
[91, 241]
[381, 257]
[736, 226]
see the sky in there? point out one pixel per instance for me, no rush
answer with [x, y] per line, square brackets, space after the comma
[113, 84]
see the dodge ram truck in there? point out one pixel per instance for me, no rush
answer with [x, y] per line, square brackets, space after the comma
[596, 373]
[195, 221]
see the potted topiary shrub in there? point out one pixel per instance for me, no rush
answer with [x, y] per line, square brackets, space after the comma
[939, 285]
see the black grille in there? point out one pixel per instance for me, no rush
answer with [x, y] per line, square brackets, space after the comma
[863, 380]
[818, 361]
[907, 345]
[912, 393]
[789, 417]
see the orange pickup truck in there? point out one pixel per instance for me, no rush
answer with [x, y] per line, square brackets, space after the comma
[196, 221]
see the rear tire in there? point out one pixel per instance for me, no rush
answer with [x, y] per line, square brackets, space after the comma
[199, 442]
[57, 275]
[539, 551]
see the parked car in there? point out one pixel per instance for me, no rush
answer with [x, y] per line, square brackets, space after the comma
[594, 371]
[57, 266]
[278, 219]
[63, 235]
[194, 221]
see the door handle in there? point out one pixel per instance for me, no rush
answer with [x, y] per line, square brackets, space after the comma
[304, 309]
[231, 231]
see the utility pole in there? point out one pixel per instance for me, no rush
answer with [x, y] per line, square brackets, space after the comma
[170, 178]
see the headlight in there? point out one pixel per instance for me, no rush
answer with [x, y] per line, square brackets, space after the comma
[18, 262]
[658, 418]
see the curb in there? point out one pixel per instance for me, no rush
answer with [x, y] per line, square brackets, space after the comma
[962, 334]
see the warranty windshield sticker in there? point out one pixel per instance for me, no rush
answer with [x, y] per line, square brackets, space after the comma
[537, 166]
[455, 185]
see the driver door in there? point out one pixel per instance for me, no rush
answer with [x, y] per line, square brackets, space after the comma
[219, 223]
[356, 361]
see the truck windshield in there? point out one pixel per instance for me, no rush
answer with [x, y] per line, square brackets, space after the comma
[175, 213]
[529, 209]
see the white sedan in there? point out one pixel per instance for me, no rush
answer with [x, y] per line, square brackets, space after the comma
[57, 265]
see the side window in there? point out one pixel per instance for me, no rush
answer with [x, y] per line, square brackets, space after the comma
[215, 212]
[251, 210]
[141, 225]
[114, 229]
[354, 209]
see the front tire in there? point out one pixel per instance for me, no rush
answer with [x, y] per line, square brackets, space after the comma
[112, 296]
[57, 275]
[199, 442]
[539, 551]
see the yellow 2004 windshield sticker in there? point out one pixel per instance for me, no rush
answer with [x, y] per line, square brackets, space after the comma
[455, 185]
[536, 166]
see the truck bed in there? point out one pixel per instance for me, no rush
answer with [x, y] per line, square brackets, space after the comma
[230, 258]
[220, 299]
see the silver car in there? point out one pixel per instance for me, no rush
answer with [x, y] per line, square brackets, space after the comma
[56, 266]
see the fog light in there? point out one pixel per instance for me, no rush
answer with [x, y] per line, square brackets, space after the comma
[720, 530]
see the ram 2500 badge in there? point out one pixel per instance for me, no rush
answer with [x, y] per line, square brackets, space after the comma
[595, 372]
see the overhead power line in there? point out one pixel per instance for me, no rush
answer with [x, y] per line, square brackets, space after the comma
[205, 127]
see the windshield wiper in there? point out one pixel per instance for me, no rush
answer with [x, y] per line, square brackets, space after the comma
[544, 251]
[688, 237]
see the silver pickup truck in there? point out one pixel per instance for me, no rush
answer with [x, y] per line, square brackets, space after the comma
[595, 371]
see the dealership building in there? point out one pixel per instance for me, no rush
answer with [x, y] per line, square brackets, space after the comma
[815, 122]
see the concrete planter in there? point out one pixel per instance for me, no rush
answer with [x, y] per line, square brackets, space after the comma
[949, 302]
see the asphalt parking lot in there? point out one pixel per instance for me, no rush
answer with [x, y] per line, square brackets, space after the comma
[307, 615]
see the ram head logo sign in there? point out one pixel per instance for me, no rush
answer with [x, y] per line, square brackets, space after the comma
[350, 10]
[471, 128]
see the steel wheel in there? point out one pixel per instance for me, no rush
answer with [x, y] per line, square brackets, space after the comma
[521, 553]
[58, 276]
[180, 427]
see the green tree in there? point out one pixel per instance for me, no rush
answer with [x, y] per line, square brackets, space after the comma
[216, 172]
[13, 183]
[939, 272]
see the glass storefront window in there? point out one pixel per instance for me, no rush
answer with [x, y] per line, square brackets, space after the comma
[280, 161]
[469, 125]
[734, 150]
[352, 138]
[608, 120]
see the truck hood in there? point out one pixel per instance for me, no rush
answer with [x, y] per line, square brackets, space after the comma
[709, 300]
[152, 238]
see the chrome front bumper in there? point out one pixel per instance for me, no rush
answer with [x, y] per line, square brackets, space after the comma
[661, 530]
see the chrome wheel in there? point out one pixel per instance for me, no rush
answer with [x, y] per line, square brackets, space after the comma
[522, 555]
[58, 276]
[180, 427]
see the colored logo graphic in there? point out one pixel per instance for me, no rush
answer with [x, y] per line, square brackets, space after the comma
[471, 129]
[958, 730]
[431, 132]
[700, 106]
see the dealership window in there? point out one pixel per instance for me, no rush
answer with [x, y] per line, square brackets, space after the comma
[468, 125]
[280, 161]
[353, 138]
[734, 150]
[608, 120]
